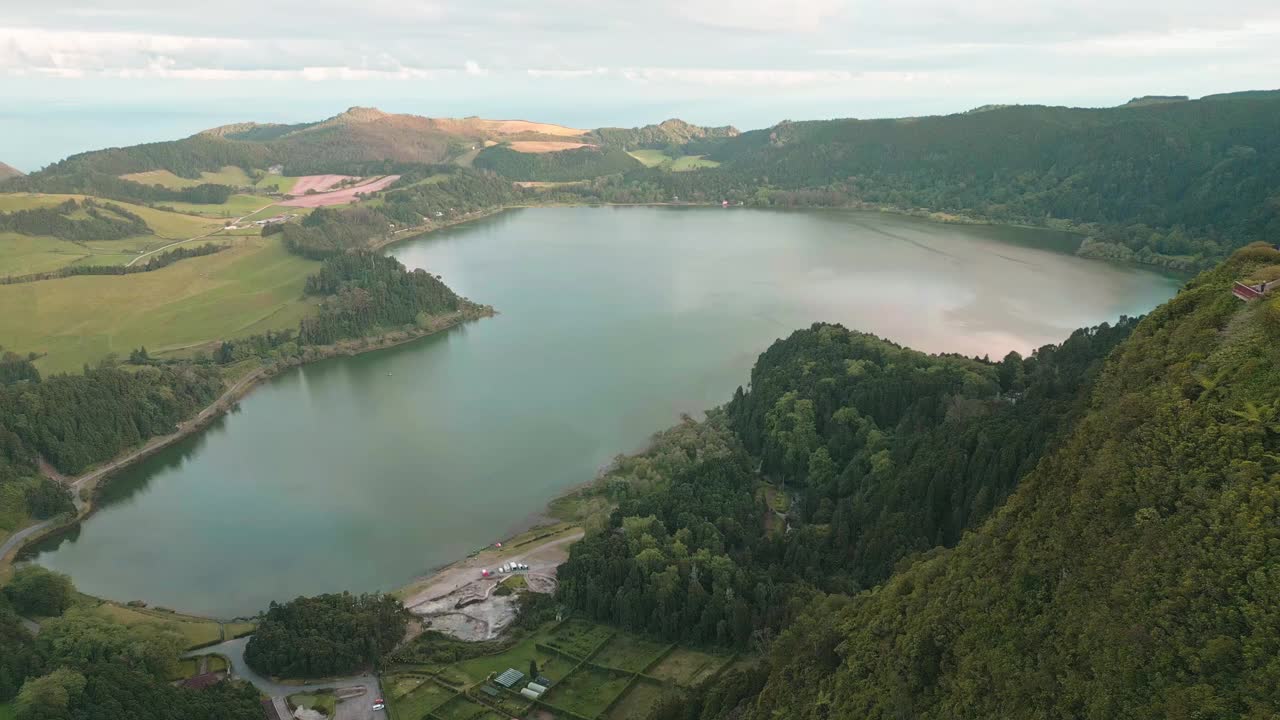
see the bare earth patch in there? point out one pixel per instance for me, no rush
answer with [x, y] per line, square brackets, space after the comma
[544, 146]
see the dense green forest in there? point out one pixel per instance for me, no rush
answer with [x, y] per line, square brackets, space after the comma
[326, 635]
[367, 291]
[1127, 573]
[74, 421]
[877, 452]
[566, 165]
[84, 667]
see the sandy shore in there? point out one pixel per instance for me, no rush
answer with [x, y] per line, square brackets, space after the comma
[542, 556]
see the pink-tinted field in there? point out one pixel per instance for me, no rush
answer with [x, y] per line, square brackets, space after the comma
[338, 197]
[319, 183]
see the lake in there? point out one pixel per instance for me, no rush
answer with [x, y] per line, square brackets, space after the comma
[362, 473]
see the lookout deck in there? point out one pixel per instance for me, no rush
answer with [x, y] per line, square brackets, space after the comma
[1249, 292]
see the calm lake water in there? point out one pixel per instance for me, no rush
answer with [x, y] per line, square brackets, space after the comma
[362, 473]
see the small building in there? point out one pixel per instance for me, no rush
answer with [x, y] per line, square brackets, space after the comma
[490, 690]
[276, 170]
[509, 678]
[530, 694]
[537, 688]
[543, 680]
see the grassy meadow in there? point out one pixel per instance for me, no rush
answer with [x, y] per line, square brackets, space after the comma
[649, 158]
[229, 175]
[684, 163]
[254, 286]
[238, 205]
[27, 254]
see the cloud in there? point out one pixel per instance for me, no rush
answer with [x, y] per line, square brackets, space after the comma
[722, 53]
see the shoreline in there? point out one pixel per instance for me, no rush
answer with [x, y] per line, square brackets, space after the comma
[539, 518]
[90, 481]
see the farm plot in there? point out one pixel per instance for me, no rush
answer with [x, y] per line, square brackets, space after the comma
[629, 652]
[423, 699]
[578, 638]
[588, 691]
[638, 700]
[688, 667]
[460, 708]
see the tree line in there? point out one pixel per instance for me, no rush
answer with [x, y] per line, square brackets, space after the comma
[155, 262]
[326, 635]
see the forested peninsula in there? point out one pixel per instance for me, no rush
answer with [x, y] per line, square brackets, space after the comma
[1078, 533]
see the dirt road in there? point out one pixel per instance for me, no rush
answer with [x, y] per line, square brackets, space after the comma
[542, 559]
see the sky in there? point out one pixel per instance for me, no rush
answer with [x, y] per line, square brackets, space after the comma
[81, 74]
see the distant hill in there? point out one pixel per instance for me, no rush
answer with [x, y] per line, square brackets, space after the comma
[1155, 100]
[362, 135]
[8, 171]
[666, 133]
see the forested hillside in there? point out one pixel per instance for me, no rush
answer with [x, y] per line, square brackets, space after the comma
[848, 455]
[1129, 573]
[668, 133]
[565, 165]
[1165, 181]
[1196, 178]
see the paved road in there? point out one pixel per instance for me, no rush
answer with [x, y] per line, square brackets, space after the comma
[198, 237]
[357, 708]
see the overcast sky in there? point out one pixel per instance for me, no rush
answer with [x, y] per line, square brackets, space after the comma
[749, 63]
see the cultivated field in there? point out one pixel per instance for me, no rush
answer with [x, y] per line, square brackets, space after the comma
[544, 146]
[572, 655]
[319, 183]
[249, 288]
[340, 197]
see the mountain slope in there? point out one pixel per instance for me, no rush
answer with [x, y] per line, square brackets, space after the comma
[1204, 174]
[7, 171]
[1134, 573]
[665, 133]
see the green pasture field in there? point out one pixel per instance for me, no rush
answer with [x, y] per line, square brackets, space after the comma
[650, 158]
[254, 286]
[686, 163]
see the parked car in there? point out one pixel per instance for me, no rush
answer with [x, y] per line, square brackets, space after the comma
[379, 704]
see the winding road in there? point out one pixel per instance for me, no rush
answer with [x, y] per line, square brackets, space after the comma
[198, 237]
